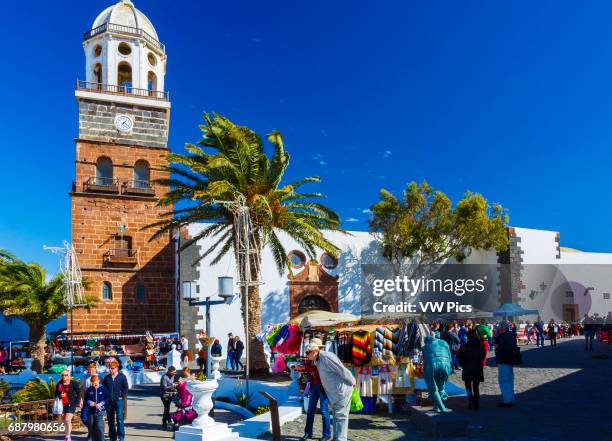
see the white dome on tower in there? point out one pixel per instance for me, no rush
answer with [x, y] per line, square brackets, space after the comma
[124, 13]
[123, 54]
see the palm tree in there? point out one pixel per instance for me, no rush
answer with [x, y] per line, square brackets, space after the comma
[35, 390]
[26, 293]
[229, 164]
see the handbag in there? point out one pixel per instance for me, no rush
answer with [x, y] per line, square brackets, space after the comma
[356, 403]
[58, 407]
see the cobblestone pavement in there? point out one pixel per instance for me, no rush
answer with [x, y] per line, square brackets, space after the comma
[563, 393]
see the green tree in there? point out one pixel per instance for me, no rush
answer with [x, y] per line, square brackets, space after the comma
[229, 164]
[423, 228]
[26, 293]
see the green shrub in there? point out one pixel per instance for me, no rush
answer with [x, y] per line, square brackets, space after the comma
[261, 409]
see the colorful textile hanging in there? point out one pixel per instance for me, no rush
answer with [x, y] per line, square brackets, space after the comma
[362, 348]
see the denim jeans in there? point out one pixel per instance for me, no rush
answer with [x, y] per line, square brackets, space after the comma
[506, 382]
[95, 423]
[341, 418]
[318, 394]
[114, 414]
[540, 339]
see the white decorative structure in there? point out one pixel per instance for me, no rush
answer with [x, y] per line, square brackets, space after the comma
[204, 428]
[174, 358]
[123, 47]
[215, 374]
[28, 364]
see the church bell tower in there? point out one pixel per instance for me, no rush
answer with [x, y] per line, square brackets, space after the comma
[121, 149]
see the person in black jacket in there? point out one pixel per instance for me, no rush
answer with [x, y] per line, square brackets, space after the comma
[68, 390]
[238, 353]
[452, 339]
[167, 390]
[505, 348]
[471, 356]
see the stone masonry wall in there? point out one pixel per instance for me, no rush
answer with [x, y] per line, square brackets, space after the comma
[96, 122]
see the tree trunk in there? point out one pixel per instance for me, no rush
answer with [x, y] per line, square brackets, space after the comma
[38, 333]
[258, 364]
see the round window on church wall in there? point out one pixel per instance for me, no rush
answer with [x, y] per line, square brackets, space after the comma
[124, 49]
[297, 259]
[328, 261]
[152, 59]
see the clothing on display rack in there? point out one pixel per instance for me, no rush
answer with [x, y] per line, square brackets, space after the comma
[385, 381]
[345, 347]
[405, 375]
[362, 348]
[364, 381]
[387, 341]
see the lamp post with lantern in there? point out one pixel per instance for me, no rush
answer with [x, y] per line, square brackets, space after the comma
[225, 291]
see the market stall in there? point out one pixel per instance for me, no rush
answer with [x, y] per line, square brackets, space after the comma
[385, 357]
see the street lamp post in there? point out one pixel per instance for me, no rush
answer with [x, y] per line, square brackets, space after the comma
[226, 285]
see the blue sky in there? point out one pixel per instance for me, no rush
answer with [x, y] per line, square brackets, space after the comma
[510, 100]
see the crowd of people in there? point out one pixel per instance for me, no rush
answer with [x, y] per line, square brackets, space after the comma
[331, 384]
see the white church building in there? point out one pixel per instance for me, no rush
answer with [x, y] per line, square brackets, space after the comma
[561, 283]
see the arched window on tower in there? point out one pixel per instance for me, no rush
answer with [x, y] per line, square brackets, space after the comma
[142, 174]
[152, 81]
[104, 172]
[107, 291]
[97, 72]
[124, 77]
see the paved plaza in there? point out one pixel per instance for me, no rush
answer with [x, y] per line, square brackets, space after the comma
[563, 393]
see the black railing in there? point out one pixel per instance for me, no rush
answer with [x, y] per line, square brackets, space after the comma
[121, 253]
[127, 30]
[122, 90]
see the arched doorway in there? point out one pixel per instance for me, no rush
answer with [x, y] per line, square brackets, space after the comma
[312, 303]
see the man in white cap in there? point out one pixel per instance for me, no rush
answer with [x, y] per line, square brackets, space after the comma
[338, 383]
[316, 394]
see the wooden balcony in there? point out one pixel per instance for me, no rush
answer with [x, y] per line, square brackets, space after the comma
[101, 185]
[121, 257]
[125, 90]
[138, 187]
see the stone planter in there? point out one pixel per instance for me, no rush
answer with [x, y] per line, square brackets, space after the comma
[203, 428]
[28, 364]
[202, 401]
[215, 374]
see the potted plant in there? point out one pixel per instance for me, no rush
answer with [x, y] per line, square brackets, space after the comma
[202, 389]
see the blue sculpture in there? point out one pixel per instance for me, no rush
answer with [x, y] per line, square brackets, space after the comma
[436, 369]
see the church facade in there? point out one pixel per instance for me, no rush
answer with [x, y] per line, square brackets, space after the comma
[121, 149]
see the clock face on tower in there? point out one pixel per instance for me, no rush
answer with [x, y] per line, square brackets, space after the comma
[123, 123]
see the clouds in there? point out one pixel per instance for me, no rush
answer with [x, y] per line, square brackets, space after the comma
[387, 154]
[319, 158]
[351, 219]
